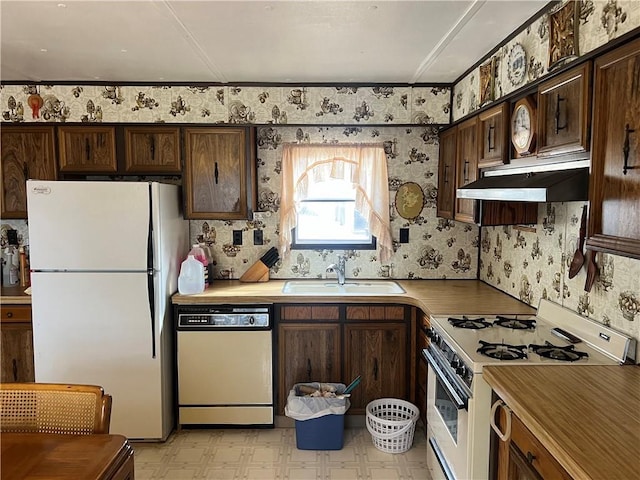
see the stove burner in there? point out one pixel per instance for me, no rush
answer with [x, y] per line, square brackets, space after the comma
[567, 353]
[502, 351]
[515, 323]
[465, 322]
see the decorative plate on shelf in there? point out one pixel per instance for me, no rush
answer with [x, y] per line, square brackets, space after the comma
[409, 200]
[517, 64]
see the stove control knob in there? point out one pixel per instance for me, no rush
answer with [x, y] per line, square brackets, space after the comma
[430, 333]
[455, 363]
[461, 370]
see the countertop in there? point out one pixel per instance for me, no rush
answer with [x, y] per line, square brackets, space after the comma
[15, 296]
[436, 297]
[587, 416]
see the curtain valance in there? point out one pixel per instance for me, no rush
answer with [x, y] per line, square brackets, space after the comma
[364, 165]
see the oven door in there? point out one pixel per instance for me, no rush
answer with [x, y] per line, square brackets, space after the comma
[448, 422]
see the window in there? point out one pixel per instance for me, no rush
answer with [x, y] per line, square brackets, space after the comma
[335, 196]
[328, 217]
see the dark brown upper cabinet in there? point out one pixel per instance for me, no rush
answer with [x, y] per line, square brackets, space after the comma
[466, 167]
[219, 172]
[447, 174]
[614, 188]
[87, 149]
[564, 112]
[152, 150]
[493, 141]
[27, 152]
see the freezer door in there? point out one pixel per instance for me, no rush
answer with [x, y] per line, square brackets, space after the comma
[95, 328]
[88, 226]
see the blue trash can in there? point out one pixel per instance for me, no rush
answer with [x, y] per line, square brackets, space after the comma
[319, 421]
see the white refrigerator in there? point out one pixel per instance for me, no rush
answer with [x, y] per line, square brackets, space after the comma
[105, 259]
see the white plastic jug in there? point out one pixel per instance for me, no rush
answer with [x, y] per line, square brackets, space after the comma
[191, 278]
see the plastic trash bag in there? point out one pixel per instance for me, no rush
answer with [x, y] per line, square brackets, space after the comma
[307, 408]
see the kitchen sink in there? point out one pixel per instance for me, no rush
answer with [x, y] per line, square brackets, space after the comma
[324, 287]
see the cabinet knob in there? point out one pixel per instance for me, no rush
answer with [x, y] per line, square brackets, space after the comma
[9, 314]
[530, 457]
[15, 369]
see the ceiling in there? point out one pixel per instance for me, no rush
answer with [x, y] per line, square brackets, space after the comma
[252, 41]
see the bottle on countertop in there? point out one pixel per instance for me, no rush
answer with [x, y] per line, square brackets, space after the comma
[191, 278]
[198, 253]
[24, 267]
[11, 270]
[209, 255]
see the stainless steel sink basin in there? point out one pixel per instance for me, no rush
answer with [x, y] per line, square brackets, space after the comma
[325, 287]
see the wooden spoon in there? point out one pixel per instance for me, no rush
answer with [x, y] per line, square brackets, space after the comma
[592, 270]
[578, 256]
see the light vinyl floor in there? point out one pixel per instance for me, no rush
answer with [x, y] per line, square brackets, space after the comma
[255, 454]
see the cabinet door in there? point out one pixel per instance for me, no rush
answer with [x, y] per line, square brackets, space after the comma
[494, 140]
[379, 354]
[466, 167]
[90, 149]
[447, 174]
[16, 342]
[219, 173]
[152, 150]
[27, 152]
[307, 353]
[564, 113]
[614, 194]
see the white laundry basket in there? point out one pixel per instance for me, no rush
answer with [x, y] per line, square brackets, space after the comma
[392, 423]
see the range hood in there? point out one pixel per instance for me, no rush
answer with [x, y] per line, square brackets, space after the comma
[543, 186]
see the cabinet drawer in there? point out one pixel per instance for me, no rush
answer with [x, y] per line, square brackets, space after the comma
[310, 312]
[536, 454]
[15, 313]
[375, 312]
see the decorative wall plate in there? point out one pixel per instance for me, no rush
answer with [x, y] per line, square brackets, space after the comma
[409, 200]
[517, 64]
[487, 78]
[563, 34]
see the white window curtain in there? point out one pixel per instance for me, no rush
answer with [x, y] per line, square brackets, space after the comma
[364, 165]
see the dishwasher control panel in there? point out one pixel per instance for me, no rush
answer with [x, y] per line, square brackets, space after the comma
[211, 317]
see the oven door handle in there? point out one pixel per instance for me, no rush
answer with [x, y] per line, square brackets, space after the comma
[504, 436]
[461, 403]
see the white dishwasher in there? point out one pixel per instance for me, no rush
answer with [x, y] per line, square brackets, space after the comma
[225, 365]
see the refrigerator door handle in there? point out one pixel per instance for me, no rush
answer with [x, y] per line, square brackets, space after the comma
[150, 287]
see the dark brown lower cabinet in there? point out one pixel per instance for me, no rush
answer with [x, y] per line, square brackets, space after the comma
[378, 353]
[522, 456]
[336, 343]
[16, 342]
[307, 352]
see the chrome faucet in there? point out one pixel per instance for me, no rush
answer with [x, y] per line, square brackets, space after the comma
[339, 268]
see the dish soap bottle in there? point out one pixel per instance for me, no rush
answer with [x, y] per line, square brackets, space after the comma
[198, 253]
[191, 278]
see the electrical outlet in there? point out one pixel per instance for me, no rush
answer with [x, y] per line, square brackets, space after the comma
[237, 237]
[257, 237]
[404, 235]
[12, 237]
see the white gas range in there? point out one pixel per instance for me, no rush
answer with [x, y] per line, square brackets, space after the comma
[459, 400]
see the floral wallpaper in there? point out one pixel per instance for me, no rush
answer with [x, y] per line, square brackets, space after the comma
[598, 23]
[531, 263]
[437, 248]
[404, 119]
[330, 105]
